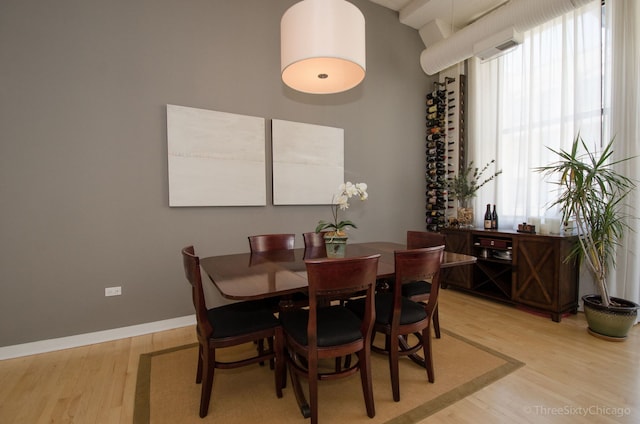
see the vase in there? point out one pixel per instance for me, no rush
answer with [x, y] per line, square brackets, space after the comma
[335, 245]
[465, 213]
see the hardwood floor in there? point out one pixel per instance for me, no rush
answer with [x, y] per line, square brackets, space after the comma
[569, 376]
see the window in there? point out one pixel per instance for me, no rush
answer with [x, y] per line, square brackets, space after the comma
[539, 96]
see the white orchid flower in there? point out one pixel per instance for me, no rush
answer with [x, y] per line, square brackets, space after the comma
[341, 202]
[350, 190]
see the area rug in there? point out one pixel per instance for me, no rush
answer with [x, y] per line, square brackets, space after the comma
[166, 391]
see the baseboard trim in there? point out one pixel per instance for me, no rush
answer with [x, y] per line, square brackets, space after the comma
[51, 345]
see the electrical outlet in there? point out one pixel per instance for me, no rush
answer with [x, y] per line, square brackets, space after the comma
[113, 291]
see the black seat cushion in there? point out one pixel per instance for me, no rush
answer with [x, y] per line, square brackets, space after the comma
[411, 311]
[240, 318]
[276, 303]
[336, 325]
[415, 288]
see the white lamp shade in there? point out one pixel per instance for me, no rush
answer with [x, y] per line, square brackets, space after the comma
[322, 46]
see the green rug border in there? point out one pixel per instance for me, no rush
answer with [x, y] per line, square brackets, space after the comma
[446, 399]
[142, 413]
[142, 402]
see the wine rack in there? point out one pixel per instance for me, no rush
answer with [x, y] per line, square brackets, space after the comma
[445, 147]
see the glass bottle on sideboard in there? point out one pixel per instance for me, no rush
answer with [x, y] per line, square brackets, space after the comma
[487, 217]
[494, 219]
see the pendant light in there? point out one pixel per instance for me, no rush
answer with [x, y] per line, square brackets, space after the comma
[322, 46]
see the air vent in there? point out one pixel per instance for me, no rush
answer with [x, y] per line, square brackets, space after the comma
[508, 45]
[497, 44]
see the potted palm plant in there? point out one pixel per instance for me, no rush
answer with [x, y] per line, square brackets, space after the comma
[592, 193]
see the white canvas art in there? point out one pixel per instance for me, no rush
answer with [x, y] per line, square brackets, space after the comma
[215, 158]
[308, 163]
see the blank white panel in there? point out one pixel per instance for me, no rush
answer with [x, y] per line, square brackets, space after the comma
[215, 158]
[308, 163]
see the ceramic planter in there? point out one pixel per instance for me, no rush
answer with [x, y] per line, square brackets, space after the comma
[336, 246]
[612, 322]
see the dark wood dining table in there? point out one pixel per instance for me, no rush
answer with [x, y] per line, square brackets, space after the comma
[250, 276]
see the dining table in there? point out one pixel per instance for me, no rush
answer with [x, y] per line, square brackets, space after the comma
[283, 273]
[261, 275]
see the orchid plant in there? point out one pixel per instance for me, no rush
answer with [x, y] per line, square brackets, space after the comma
[340, 201]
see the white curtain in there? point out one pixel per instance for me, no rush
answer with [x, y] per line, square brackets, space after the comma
[556, 85]
[537, 96]
[622, 106]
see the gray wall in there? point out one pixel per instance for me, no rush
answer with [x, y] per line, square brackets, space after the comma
[83, 157]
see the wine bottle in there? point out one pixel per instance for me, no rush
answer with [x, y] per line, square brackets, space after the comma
[494, 219]
[487, 217]
[438, 94]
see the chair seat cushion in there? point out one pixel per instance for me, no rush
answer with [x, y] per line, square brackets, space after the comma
[240, 318]
[275, 303]
[415, 288]
[410, 311]
[336, 325]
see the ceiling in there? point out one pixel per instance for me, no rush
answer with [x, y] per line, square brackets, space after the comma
[451, 15]
[455, 30]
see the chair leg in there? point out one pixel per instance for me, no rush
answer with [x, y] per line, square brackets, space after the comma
[297, 388]
[209, 361]
[199, 371]
[436, 322]
[426, 349]
[394, 357]
[313, 389]
[270, 345]
[364, 358]
[260, 347]
[280, 375]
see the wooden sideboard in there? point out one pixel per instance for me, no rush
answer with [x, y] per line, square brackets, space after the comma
[516, 268]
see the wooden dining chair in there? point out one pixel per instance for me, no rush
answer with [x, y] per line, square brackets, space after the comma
[328, 330]
[269, 242]
[230, 325]
[419, 290]
[407, 324]
[273, 243]
[314, 246]
[313, 239]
